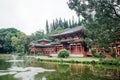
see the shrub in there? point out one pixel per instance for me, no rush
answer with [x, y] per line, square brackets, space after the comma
[98, 54]
[93, 53]
[110, 61]
[113, 54]
[40, 54]
[63, 53]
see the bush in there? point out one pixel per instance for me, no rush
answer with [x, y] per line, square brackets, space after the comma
[113, 54]
[40, 54]
[93, 53]
[110, 61]
[63, 53]
[98, 54]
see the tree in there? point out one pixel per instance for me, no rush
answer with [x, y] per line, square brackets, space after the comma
[65, 24]
[47, 27]
[5, 39]
[39, 35]
[18, 42]
[100, 18]
[36, 36]
[70, 24]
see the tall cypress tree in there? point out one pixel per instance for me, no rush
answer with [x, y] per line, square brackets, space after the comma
[47, 27]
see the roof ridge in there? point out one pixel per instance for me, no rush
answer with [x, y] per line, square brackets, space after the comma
[69, 30]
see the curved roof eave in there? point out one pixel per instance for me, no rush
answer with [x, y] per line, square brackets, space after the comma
[69, 31]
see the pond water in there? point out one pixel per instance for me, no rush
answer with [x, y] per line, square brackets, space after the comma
[29, 69]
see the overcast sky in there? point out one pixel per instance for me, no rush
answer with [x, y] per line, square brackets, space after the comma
[29, 16]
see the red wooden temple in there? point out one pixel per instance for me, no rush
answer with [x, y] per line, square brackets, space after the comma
[71, 39]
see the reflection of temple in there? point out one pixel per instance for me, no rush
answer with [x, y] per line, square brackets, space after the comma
[71, 39]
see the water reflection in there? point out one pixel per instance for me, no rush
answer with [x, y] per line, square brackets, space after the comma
[4, 65]
[19, 70]
[79, 72]
[34, 70]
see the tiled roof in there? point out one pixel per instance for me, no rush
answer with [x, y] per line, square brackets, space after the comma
[41, 45]
[68, 31]
[44, 40]
[45, 45]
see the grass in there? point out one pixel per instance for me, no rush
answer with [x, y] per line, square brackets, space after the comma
[5, 56]
[83, 60]
[66, 60]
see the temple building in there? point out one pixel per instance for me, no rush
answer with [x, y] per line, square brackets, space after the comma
[70, 39]
[43, 46]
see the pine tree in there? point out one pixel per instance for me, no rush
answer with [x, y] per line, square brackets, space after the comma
[60, 23]
[47, 27]
[79, 22]
[70, 24]
[65, 23]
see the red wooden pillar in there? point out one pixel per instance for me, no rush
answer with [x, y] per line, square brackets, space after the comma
[70, 49]
[82, 50]
[76, 50]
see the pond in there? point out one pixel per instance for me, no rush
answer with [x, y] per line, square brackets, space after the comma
[30, 69]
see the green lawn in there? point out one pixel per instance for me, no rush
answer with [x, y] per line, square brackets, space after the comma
[84, 60]
[68, 60]
[5, 56]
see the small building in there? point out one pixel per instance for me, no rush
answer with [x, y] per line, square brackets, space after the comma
[70, 39]
[43, 46]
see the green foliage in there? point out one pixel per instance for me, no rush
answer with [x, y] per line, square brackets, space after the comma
[88, 41]
[12, 40]
[98, 54]
[40, 54]
[110, 61]
[56, 31]
[63, 68]
[101, 19]
[5, 39]
[113, 54]
[18, 42]
[36, 36]
[47, 27]
[93, 53]
[63, 53]
[63, 24]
